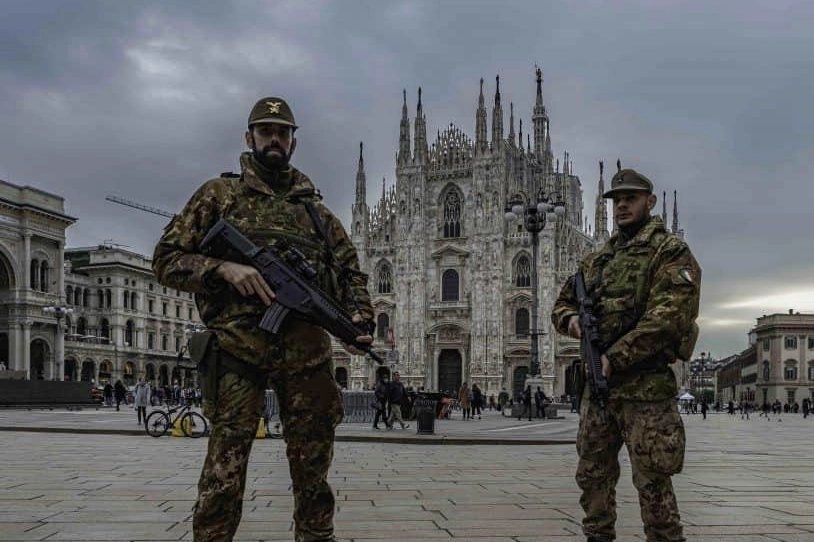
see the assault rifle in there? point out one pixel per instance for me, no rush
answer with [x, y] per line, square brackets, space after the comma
[292, 280]
[590, 345]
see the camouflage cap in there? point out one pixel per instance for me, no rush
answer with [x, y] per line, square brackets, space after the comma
[628, 180]
[272, 111]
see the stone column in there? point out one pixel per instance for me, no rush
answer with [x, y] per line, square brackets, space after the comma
[25, 349]
[59, 351]
[14, 341]
[60, 271]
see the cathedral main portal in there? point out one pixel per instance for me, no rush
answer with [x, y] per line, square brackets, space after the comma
[450, 371]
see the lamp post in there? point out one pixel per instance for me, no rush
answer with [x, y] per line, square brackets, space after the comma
[534, 215]
[58, 311]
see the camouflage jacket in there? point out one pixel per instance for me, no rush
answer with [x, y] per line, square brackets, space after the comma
[646, 293]
[265, 217]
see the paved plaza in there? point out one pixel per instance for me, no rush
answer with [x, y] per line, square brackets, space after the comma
[744, 481]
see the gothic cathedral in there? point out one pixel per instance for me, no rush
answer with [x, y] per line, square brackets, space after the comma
[450, 276]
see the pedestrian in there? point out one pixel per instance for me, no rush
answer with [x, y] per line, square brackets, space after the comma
[492, 404]
[704, 409]
[464, 400]
[107, 393]
[539, 402]
[119, 392]
[526, 403]
[380, 401]
[395, 396]
[274, 204]
[502, 399]
[806, 408]
[645, 284]
[745, 409]
[731, 408]
[141, 398]
[477, 400]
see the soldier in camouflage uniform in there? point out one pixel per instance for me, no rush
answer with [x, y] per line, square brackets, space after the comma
[645, 284]
[266, 202]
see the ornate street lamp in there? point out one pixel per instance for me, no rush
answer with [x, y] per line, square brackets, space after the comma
[58, 311]
[534, 215]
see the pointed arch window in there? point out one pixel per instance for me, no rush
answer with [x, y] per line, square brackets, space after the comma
[450, 285]
[522, 272]
[133, 301]
[105, 328]
[101, 298]
[77, 297]
[384, 279]
[521, 322]
[108, 298]
[69, 295]
[452, 214]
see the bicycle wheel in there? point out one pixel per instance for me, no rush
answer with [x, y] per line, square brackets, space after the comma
[193, 424]
[157, 423]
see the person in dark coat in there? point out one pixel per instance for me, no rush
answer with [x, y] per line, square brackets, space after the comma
[119, 392]
[526, 403]
[380, 402]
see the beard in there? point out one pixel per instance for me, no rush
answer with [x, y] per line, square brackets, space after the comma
[276, 161]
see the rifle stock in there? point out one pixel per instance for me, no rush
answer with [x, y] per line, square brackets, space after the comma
[591, 345]
[290, 276]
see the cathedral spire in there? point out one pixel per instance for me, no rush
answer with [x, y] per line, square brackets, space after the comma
[539, 117]
[675, 227]
[520, 136]
[601, 214]
[497, 118]
[480, 124]
[420, 132]
[404, 133]
[664, 208]
[511, 122]
[361, 189]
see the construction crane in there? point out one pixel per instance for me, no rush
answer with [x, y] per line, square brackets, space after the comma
[140, 206]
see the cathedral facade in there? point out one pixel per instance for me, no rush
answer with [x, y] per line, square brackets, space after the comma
[450, 277]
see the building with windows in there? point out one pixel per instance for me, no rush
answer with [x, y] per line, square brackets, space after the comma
[124, 325]
[784, 365]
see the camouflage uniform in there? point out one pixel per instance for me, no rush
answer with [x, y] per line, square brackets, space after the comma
[646, 293]
[298, 364]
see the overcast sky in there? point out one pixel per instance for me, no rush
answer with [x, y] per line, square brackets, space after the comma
[146, 100]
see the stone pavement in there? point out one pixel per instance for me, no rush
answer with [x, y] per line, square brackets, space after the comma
[744, 481]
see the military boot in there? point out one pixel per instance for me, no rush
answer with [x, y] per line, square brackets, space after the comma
[600, 538]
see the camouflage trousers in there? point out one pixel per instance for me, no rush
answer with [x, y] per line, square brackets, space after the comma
[310, 409]
[654, 435]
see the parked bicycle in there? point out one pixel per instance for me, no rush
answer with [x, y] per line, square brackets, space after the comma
[192, 424]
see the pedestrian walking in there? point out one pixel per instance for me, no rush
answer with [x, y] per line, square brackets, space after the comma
[526, 403]
[540, 400]
[274, 204]
[704, 409]
[119, 393]
[380, 401]
[477, 401]
[141, 399]
[395, 396]
[107, 393]
[645, 284]
[465, 401]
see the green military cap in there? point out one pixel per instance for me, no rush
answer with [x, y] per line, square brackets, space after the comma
[272, 111]
[627, 180]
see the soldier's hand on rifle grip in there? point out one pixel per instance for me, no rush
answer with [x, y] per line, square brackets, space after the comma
[246, 280]
[364, 339]
[573, 327]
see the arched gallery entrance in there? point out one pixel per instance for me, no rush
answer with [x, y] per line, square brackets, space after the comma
[40, 354]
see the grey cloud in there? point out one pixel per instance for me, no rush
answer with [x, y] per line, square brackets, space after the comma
[147, 100]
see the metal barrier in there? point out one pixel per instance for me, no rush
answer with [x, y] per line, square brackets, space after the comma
[356, 403]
